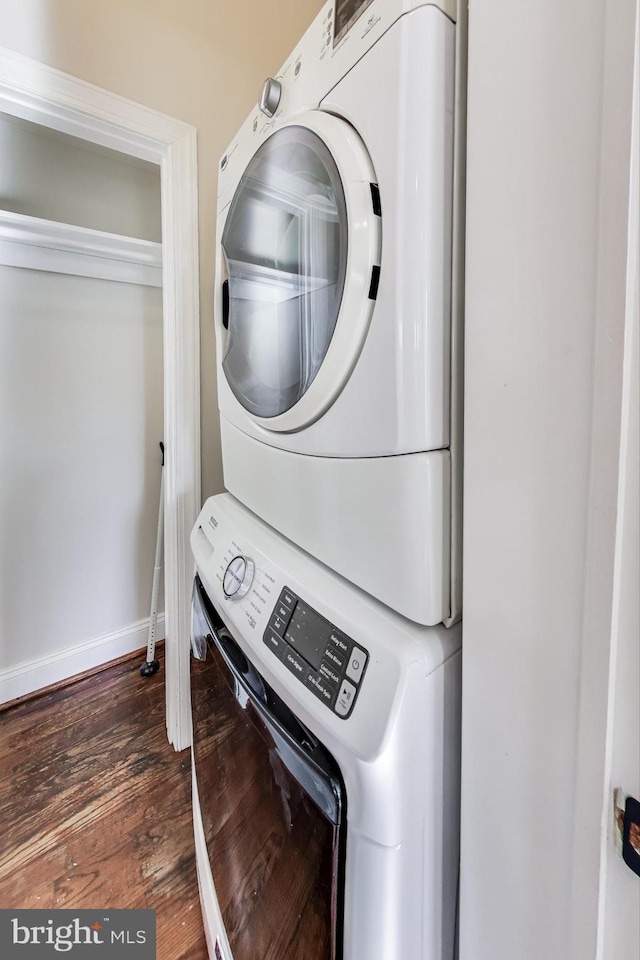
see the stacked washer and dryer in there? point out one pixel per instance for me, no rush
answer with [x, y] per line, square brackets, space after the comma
[326, 675]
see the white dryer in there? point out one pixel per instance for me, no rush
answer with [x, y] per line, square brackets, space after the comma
[333, 299]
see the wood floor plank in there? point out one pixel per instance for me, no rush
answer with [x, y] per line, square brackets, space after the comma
[95, 806]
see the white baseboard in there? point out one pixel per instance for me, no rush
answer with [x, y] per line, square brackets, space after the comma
[31, 675]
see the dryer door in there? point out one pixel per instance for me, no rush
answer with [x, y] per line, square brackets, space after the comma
[301, 253]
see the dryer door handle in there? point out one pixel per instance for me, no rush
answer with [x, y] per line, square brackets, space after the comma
[225, 304]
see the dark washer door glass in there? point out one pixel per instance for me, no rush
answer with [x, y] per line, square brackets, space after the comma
[275, 856]
[285, 244]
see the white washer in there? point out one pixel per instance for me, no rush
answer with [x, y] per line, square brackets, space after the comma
[333, 299]
[374, 694]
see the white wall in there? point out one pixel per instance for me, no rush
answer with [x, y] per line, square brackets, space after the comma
[81, 391]
[80, 421]
[547, 208]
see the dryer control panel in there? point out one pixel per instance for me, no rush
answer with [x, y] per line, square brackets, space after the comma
[323, 658]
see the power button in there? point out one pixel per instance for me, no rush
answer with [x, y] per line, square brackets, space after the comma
[356, 664]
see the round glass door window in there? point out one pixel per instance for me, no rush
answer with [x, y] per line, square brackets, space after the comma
[285, 245]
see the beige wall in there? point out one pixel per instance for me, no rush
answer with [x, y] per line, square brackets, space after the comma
[200, 61]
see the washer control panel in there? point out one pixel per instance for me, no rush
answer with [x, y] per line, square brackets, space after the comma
[323, 658]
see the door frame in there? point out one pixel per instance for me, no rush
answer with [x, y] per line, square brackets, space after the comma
[34, 91]
[607, 618]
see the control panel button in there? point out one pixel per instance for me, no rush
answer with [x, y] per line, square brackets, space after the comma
[345, 698]
[329, 673]
[295, 663]
[357, 663]
[337, 660]
[238, 578]
[277, 624]
[340, 642]
[288, 599]
[324, 691]
[283, 611]
[275, 643]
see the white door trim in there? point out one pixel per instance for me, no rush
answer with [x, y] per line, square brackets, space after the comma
[36, 92]
[592, 801]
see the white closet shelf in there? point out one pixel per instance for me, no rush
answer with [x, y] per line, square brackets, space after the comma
[35, 244]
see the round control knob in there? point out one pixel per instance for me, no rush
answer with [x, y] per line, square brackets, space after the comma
[270, 96]
[238, 577]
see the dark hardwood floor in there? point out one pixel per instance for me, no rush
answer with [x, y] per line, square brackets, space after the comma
[95, 806]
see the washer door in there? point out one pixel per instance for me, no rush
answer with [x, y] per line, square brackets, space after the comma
[301, 252]
[273, 807]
